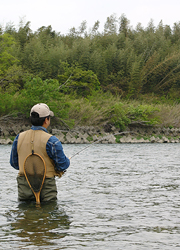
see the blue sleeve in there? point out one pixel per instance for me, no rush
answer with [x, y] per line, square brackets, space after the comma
[14, 155]
[55, 152]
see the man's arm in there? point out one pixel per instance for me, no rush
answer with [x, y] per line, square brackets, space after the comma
[14, 155]
[55, 152]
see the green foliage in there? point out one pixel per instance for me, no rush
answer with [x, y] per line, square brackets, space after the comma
[119, 116]
[7, 103]
[68, 71]
[76, 80]
[118, 137]
[124, 25]
[13, 80]
[143, 113]
[125, 61]
[110, 26]
[135, 85]
[36, 90]
[24, 33]
[122, 115]
[6, 48]
[90, 138]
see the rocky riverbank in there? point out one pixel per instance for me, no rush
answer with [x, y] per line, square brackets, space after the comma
[88, 134]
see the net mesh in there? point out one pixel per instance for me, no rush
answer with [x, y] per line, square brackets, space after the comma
[34, 169]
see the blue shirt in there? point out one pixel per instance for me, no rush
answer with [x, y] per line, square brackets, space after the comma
[54, 150]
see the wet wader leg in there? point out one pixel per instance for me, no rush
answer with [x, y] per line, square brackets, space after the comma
[49, 190]
[24, 191]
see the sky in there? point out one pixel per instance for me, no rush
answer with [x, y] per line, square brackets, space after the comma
[62, 15]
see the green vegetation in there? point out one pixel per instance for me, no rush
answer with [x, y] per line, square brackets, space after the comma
[120, 76]
[118, 137]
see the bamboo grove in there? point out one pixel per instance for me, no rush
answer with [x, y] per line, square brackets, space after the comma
[121, 60]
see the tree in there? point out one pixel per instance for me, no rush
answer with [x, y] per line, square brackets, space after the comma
[176, 32]
[6, 48]
[24, 33]
[13, 80]
[167, 32]
[151, 27]
[76, 80]
[10, 29]
[124, 25]
[82, 28]
[95, 28]
[110, 26]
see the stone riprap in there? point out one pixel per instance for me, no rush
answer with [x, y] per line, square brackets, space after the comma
[89, 134]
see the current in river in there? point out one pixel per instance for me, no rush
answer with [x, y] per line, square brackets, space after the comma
[113, 197]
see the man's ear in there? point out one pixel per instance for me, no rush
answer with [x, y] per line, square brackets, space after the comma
[45, 121]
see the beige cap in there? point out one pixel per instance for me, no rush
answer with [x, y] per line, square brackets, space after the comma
[42, 109]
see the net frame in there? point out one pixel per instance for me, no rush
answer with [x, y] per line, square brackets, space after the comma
[36, 194]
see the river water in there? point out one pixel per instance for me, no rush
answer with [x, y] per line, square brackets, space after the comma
[119, 196]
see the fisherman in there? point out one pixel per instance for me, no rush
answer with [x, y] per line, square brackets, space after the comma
[47, 146]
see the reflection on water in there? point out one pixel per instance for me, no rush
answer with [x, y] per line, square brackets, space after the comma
[113, 197]
[40, 226]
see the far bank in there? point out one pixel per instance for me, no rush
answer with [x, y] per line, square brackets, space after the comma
[109, 134]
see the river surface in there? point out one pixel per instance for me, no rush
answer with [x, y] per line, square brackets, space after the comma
[113, 197]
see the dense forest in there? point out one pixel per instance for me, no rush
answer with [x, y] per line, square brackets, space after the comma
[119, 75]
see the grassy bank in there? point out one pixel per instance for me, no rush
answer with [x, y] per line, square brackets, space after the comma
[105, 108]
[97, 109]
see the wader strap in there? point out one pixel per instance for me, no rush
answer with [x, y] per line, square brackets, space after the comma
[32, 142]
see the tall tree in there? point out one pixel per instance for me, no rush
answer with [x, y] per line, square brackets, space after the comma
[124, 25]
[95, 28]
[110, 27]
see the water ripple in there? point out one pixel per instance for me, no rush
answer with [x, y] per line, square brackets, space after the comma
[121, 196]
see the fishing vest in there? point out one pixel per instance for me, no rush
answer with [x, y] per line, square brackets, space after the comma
[24, 148]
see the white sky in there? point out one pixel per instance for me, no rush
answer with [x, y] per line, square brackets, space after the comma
[65, 14]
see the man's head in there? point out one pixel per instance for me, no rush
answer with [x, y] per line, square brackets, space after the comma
[39, 114]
